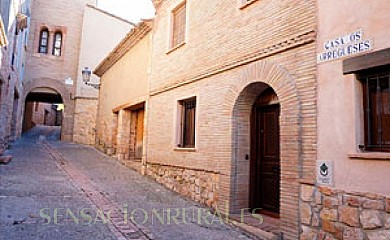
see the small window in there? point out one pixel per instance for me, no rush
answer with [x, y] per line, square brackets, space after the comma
[376, 93]
[43, 41]
[57, 44]
[187, 123]
[178, 25]
[36, 104]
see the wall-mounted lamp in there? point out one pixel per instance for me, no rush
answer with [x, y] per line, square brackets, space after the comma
[87, 78]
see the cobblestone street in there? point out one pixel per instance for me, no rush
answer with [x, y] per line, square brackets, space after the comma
[57, 190]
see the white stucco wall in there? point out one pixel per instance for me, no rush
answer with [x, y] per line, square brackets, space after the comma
[101, 33]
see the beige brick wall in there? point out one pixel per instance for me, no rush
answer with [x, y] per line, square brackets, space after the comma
[56, 15]
[46, 70]
[219, 32]
[229, 56]
[123, 85]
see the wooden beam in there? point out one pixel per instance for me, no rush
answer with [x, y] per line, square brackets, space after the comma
[366, 61]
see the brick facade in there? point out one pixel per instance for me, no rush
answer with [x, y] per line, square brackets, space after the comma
[227, 69]
[49, 71]
[230, 56]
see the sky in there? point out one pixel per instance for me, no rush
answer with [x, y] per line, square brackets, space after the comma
[132, 10]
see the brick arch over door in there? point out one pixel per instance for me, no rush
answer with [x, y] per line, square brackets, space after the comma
[253, 79]
[59, 87]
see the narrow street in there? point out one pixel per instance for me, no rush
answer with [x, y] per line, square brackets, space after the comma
[58, 190]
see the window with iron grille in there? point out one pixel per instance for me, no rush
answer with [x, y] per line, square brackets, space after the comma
[187, 126]
[43, 41]
[179, 25]
[57, 44]
[376, 93]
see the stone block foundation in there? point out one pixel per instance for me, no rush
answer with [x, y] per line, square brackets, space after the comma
[199, 185]
[327, 213]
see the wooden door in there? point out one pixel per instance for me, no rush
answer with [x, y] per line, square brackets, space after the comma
[139, 135]
[265, 162]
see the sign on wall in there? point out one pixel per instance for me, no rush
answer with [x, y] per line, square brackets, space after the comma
[68, 81]
[325, 173]
[350, 44]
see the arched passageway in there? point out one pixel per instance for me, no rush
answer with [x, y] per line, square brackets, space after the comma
[48, 90]
[43, 107]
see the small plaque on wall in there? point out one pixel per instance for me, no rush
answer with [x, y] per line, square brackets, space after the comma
[325, 173]
[68, 81]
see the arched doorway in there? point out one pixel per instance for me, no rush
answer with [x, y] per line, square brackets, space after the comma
[245, 91]
[44, 109]
[265, 154]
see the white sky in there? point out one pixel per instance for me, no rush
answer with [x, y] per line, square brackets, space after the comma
[131, 10]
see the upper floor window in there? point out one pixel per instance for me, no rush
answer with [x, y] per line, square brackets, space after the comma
[178, 25]
[43, 41]
[57, 44]
[376, 93]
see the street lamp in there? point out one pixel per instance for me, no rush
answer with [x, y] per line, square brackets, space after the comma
[86, 73]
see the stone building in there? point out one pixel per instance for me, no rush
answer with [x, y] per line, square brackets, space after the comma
[14, 31]
[222, 80]
[62, 42]
[353, 55]
[123, 98]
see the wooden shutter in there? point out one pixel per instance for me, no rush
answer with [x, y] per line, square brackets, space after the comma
[139, 136]
[179, 25]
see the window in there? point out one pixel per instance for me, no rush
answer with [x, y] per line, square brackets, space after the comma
[36, 106]
[187, 123]
[179, 25]
[57, 44]
[376, 93]
[43, 41]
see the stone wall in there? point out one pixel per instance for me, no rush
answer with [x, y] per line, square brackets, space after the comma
[11, 70]
[84, 130]
[327, 213]
[199, 185]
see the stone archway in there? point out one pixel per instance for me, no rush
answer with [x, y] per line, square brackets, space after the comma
[58, 87]
[254, 78]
